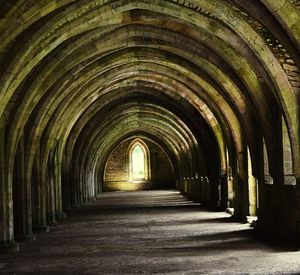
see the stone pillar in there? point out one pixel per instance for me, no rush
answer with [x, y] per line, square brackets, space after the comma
[194, 188]
[39, 197]
[99, 183]
[66, 180]
[289, 176]
[205, 190]
[252, 196]
[224, 191]
[267, 177]
[50, 187]
[74, 190]
[92, 181]
[230, 191]
[189, 187]
[85, 185]
[252, 187]
[80, 178]
[241, 190]
[214, 187]
[7, 242]
[22, 197]
[197, 188]
[59, 214]
[51, 215]
[66, 192]
[72, 185]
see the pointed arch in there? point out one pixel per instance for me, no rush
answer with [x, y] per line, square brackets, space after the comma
[139, 161]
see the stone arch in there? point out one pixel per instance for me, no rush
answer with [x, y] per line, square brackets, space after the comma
[214, 82]
[146, 160]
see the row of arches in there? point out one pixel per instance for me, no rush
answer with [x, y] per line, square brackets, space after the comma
[214, 84]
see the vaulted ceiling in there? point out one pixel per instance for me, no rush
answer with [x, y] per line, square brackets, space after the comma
[201, 78]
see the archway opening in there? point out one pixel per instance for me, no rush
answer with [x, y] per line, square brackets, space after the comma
[138, 163]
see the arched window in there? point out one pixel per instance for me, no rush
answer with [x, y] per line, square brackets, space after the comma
[139, 160]
[138, 163]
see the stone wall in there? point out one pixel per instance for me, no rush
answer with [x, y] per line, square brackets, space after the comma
[117, 170]
[279, 211]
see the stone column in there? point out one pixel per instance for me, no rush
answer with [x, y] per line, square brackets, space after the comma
[241, 190]
[7, 242]
[39, 197]
[59, 214]
[288, 169]
[224, 191]
[50, 187]
[22, 197]
[252, 187]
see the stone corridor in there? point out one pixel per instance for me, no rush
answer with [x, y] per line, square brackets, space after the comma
[149, 232]
[202, 96]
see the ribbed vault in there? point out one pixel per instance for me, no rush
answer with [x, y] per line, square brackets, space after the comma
[214, 83]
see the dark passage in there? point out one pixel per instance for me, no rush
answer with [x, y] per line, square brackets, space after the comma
[149, 232]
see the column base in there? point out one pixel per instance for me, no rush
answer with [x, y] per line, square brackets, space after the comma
[41, 229]
[230, 211]
[25, 238]
[8, 247]
[61, 215]
[52, 223]
[290, 179]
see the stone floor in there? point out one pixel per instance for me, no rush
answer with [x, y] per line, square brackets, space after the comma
[151, 232]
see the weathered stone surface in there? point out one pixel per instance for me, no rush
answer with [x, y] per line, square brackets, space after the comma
[214, 85]
[150, 232]
[117, 169]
